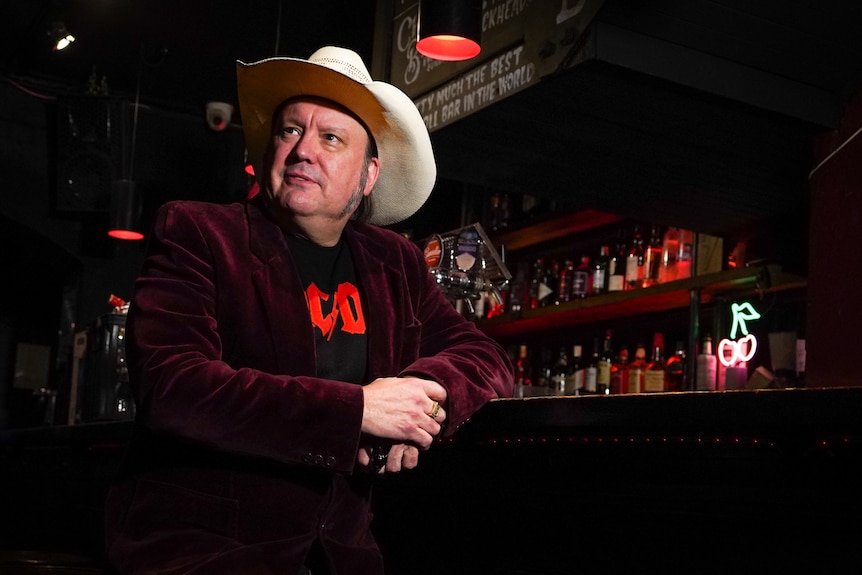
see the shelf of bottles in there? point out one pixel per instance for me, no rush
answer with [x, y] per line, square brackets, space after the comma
[551, 293]
[659, 297]
[589, 268]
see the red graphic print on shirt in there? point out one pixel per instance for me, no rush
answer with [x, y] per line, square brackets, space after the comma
[345, 305]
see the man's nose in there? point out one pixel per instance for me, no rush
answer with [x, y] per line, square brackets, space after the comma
[305, 148]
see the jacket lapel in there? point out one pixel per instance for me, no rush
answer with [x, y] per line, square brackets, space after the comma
[276, 276]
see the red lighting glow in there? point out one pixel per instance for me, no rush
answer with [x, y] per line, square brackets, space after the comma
[448, 48]
[125, 234]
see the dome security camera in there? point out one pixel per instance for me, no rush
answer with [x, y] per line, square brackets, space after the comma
[218, 115]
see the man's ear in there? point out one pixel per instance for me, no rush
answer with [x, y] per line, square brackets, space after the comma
[373, 172]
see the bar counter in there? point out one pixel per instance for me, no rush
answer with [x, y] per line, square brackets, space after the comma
[678, 482]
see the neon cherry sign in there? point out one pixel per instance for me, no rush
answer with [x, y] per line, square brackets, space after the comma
[733, 351]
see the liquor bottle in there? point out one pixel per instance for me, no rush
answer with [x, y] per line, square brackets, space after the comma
[523, 370]
[652, 258]
[620, 372]
[550, 284]
[686, 254]
[537, 274]
[592, 371]
[577, 375]
[707, 368]
[600, 271]
[637, 369]
[564, 289]
[667, 270]
[617, 265]
[519, 290]
[560, 373]
[581, 279]
[605, 361]
[655, 376]
[676, 375]
[635, 261]
[544, 372]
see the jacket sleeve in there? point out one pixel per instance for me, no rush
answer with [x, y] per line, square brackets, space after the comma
[202, 357]
[472, 367]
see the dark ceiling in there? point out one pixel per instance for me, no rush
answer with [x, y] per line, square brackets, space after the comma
[187, 49]
[673, 110]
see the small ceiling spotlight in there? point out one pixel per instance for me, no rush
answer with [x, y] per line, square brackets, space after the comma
[60, 36]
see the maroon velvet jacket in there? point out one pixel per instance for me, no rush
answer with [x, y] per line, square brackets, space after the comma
[241, 456]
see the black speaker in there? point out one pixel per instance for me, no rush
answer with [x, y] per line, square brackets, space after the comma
[91, 153]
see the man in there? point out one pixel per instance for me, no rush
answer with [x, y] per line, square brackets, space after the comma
[286, 350]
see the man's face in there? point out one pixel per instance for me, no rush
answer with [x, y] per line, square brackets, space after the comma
[319, 163]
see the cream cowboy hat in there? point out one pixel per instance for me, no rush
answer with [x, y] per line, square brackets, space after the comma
[407, 167]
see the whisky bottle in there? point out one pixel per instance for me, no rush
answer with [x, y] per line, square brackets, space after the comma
[707, 368]
[655, 376]
[635, 261]
[550, 285]
[637, 369]
[519, 290]
[544, 372]
[564, 287]
[605, 361]
[577, 375]
[600, 271]
[617, 265]
[581, 279]
[620, 372]
[560, 373]
[652, 258]
[592, 372]
[523, 370]
[537, 275]
[676, 375]
[667, 270]
[685, 256]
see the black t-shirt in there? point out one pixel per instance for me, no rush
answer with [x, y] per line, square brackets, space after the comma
[335, 308]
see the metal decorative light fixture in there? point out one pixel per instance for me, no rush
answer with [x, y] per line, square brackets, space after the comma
[449, 30]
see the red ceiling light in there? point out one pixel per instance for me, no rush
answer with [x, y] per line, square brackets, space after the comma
[449, 30]
[125, 211]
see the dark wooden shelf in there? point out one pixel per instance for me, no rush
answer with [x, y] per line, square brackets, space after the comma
[663, 297]
[554, 228]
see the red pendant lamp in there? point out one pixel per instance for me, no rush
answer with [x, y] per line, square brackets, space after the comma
[449, 30]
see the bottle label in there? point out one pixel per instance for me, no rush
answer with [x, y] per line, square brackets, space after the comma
[603, 375]
[590, 380]
[634, 270]
[635, 380]
[599, 281]
[653, 380]
[579, 284]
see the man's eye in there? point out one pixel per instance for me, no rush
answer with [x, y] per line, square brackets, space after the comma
[331, 138]
[289, 131]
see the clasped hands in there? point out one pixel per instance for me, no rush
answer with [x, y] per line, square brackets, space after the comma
[406, 412]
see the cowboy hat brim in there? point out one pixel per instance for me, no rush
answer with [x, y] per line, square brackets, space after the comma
[407, 167]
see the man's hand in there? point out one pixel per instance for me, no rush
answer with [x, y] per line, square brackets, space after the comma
[400, 409]
[400, 457]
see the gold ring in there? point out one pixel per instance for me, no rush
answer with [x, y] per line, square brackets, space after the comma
[435, 410]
